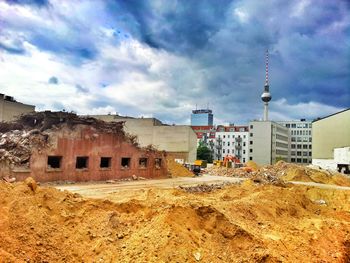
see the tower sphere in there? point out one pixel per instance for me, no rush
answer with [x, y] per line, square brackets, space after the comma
[266, 97]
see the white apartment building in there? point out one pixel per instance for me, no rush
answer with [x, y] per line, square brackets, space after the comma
[231, 140]
[268, 142]
[300, 141]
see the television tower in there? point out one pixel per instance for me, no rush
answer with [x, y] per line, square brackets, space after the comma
[266, 96]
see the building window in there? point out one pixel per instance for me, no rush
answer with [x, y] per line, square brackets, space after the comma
[223, 151]
[54, 162]
[143, 162]
[251, 126]
[287, 125]
[310, 153]
[243, 143]
[298, 153]
[293, 160]
[251, 158]
[244, 160]
[310, 139]
[310, 146]
[292, 153]
[298, 160]
[126, 162]
[305, 146]
[82, 162]
[304, 153]
[224, 136]
[250, 150]
[251, 134]
[251, 142]
[299, 146]
[223, 143]
[228, 150]
[304, 160]
[243, 151]
[105, 162]
[293, 125]
[293, 146]
[293, 139]
[228, 136]
[228, 143]
[158, 163]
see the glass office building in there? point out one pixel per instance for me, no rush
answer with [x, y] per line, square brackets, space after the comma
[202, 118]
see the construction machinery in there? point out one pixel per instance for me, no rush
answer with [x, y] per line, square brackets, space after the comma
[231, 160]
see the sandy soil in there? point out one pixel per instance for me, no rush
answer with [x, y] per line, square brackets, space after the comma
[240, 223]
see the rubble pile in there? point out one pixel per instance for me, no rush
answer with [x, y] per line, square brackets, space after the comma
[204, 188]
[16, 146]
[47, 120]
[32, 131]
[283, 172]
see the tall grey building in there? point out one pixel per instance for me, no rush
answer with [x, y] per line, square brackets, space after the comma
[268, 142]
[300, 141]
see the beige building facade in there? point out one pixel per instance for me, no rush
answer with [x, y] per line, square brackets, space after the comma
[329, 133]
[10, 108]
[269, 142]
[179, 141]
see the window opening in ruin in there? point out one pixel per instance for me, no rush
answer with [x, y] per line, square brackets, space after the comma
[105, 162]
[158, 162]
[125, 162]
[54, 162]
[82, 162]
[143, 162]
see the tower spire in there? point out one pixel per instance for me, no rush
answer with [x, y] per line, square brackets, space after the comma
[266, 96]
[267, 68]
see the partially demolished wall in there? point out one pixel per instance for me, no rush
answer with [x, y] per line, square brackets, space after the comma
[60, 146]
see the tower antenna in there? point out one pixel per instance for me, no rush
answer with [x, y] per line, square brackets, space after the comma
[266, 96]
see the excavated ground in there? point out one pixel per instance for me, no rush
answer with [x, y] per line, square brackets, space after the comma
[239, 223]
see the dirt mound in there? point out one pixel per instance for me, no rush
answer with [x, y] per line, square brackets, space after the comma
[234, 224]
[253, 165]
[283, 171]
[177, 170]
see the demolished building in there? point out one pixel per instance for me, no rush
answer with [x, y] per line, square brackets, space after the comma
[60, 146]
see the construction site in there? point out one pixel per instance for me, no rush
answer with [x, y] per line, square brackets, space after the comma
[78, 189]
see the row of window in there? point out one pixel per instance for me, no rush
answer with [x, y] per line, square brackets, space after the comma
[303, 132]
[301, 153]
[299, 160]
[298, 146]
[228, 136]
[301, 139]
[228, 144]
[82, 162]
[232, 151]
[299, 125]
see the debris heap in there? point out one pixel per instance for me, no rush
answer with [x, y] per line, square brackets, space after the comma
[32, 131]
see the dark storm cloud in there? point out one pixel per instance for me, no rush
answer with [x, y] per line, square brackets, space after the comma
[222, 46]
[53, 80]
[177, 26]
[16, 50]
[81, 89]
[29, 2]
[309, 47]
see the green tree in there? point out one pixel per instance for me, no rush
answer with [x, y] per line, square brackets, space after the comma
[204, 153]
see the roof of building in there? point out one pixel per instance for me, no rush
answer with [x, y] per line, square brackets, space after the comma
[318, 119]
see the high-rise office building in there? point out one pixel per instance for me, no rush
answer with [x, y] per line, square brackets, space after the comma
[203, 117]
[300, 141]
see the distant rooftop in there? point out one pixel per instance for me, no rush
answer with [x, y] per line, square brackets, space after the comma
[202, 111]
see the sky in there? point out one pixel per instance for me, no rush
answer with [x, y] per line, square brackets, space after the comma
[160, 58]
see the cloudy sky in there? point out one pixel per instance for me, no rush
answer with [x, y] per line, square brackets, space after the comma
[161, 58]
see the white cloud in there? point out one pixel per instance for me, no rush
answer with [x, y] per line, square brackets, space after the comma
[282, 110]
